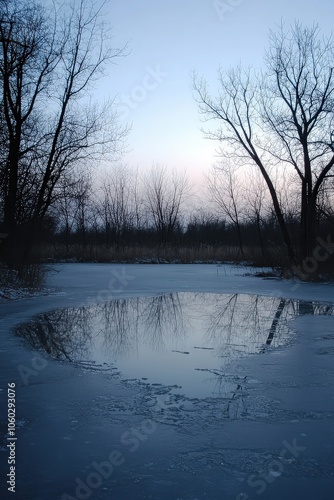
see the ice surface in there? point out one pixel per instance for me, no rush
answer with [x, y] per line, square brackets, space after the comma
[184, 340]
[276, 392]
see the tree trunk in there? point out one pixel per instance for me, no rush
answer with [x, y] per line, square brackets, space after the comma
[240, 239]
[307, 224]
[258, 226]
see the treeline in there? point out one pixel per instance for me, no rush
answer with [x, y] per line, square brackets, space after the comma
[52, 128]
[269, 199]
[160, 217]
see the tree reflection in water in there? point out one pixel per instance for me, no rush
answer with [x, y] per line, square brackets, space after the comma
[164, 318]
[63, 333]
[198, 332]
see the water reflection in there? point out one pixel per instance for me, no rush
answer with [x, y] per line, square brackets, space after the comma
[186, 339]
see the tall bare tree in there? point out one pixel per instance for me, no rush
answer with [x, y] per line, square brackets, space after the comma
[165, 193]
[226, 190]
[119, 204]
[49, 61]
[283, 116]
[255, 199]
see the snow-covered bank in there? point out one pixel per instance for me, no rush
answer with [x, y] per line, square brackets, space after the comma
[82, 283]
[107, 281]
[9, 293]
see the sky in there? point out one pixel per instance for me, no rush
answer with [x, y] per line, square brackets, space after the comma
[167, 41]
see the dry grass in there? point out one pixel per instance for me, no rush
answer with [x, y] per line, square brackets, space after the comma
[185, 255]
[29, 277]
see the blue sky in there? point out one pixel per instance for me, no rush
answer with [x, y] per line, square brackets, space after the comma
[170, 39]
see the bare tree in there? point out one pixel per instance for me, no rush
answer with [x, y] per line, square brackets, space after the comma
[119, 208]
[48, 63]
[226, 191]
[82, 198]
[255, 196]
[281, 117]
[326, 200]
[74, 209]
[165, 195]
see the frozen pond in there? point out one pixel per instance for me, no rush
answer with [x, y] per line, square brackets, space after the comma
[184, 341]
[231, 376]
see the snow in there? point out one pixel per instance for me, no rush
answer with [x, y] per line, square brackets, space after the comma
[8, 293]
[274, 438]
